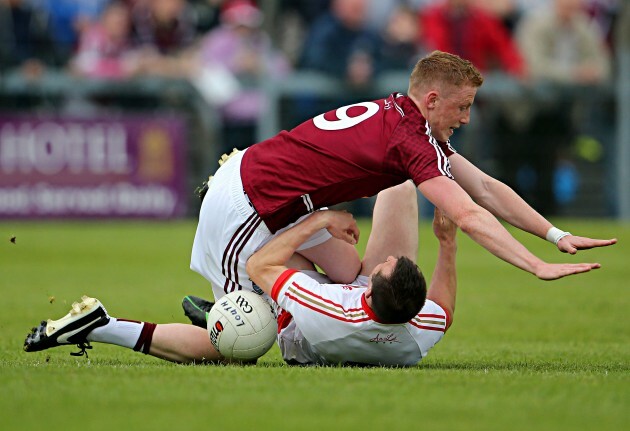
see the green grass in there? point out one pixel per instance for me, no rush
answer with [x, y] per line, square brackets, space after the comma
[522, 354]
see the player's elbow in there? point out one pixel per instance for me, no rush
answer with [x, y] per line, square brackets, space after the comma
[446, 300]
[450, 316]
[486, 189]
[468, 218]
[253, 267]
[492, 196]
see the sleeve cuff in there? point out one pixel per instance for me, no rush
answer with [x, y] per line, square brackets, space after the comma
[277, 286]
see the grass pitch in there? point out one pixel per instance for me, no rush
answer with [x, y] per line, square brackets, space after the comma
[522, 354]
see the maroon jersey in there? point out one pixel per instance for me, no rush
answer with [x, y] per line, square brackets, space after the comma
[352, 152]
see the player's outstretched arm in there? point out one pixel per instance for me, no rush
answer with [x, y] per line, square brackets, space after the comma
[506, 204]
[486, 230]
[443, 287]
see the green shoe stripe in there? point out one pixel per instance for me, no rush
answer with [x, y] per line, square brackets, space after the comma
[187, 298]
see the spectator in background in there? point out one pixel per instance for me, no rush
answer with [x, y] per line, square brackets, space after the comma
[507, 11]
[25, 41]
[561, 44]
[234, 59]
[462, 28]
[400, 49]
[105, 46]
[163, 31]
[294, 19]
[379, 12]
[341, 45]
[68, 18]
[165, 26]
[562, 48]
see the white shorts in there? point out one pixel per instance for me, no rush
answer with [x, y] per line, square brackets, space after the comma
[230, 231]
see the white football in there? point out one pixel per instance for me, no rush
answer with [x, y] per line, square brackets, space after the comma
[242, 325]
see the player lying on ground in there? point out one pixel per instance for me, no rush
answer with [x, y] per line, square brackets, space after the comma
[394, 232]
[380, 319]
[357, 151]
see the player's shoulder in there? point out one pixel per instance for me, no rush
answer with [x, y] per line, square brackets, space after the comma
[432, 317]
[432, 307]
[410, 115]
[397, 103]
[399, 113]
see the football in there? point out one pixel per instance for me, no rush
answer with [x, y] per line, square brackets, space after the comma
[242, 325]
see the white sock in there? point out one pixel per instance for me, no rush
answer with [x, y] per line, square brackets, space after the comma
[121, 332]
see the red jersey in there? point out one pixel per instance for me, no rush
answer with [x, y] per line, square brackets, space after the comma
[349, 153]
[475, 35]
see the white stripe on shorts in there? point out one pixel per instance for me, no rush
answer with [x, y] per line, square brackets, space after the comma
[231, 253]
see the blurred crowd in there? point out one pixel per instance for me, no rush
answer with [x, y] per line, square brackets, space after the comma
[560, 40]
[226, 47]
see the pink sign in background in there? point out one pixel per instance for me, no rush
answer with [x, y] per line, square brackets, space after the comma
[103, 167]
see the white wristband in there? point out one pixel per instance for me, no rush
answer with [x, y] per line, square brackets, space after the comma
[554, 235]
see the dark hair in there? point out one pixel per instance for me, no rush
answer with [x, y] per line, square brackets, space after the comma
[399, 297]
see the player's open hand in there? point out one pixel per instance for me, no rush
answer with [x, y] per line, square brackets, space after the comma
[554, 271]
[443, 228]
[342, 225]
[571, 243]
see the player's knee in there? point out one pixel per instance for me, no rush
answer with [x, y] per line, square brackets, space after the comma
[344, 274]
[409, 187]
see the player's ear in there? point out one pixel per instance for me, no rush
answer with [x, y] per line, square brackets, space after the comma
[431, 99]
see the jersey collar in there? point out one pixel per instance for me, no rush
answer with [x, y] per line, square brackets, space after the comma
[368, 310]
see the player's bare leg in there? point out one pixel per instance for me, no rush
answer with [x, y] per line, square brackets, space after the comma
[178, 342]
[88, 322]
[394, 226]
[338, 259]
